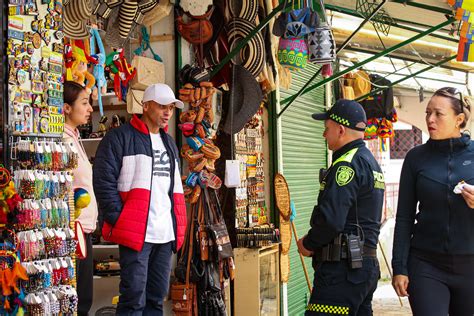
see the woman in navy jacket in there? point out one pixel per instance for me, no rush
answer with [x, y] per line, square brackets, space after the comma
[433, 249]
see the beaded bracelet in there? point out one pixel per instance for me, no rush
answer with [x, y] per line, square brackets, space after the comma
[47, 280]
[56, 161]
[35, 309]
[47, 160]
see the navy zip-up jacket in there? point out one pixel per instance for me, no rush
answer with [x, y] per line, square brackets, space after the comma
[354, 184]
[444, 223]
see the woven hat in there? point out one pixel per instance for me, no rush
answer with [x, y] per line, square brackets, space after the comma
[144, 6]
[76, 14]
[112, 35]
[244, 9]
[157, 13]
[128, 11]
[252, 55]
[244, 100]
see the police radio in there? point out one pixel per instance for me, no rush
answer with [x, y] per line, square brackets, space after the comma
[355, 248]
[322, 174]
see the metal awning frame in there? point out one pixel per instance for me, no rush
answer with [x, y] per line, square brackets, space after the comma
[305, 89]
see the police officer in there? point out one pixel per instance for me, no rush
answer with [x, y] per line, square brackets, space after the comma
[345, 224]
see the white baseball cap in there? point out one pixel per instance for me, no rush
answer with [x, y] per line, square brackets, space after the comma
[161, 94]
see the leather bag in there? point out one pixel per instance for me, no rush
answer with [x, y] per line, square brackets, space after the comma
[183, 295]
[198, 30]
[218, 228]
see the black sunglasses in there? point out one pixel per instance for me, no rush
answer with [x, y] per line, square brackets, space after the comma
[452, 93]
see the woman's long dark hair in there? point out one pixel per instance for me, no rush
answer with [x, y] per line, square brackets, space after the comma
[71, 92]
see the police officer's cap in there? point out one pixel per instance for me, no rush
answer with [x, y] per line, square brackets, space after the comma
[347, 113]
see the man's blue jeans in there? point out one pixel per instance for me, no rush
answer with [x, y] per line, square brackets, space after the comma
[144, 279]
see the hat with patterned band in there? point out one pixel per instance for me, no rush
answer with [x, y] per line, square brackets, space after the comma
[347, 113]
[252, 55]
[76, 13]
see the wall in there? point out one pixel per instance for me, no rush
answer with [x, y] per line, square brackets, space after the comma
[411, 111]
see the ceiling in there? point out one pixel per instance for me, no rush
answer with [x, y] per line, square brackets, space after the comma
[345, 19]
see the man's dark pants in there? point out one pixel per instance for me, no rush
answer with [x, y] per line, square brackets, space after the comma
[144, 279]
[339, 290]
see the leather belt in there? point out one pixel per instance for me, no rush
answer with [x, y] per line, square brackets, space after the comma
[370, 252]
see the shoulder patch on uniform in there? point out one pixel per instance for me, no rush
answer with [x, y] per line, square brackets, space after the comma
[344, 175]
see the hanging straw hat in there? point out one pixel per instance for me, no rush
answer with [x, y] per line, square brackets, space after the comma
[160, 11]
[244, 100]
[144, 6]
[252, 55]
[76, 14]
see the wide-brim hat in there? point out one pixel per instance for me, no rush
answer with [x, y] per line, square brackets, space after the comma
[76, 14]
[124, 18]
[243, 101]
[244, 9]
[252, 55]
[161, 10]
[127, 12]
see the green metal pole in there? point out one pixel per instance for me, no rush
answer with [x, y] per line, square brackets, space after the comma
[368, 60]
[407, 77]
[274, 146]
[404, 27]
[244, 41]
[294, 97]
[424, 6]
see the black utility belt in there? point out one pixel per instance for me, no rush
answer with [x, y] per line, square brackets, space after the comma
[345, 247]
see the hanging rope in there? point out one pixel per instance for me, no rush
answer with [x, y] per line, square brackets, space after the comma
[145, 45]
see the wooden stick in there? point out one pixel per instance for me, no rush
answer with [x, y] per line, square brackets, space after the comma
[389, 270]
[156, 38]
[302, 258]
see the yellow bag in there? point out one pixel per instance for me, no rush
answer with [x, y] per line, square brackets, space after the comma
[361, 84]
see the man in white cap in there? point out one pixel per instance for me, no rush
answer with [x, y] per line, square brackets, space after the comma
[141, 203]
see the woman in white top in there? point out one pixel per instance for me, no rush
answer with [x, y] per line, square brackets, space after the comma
[77, 111]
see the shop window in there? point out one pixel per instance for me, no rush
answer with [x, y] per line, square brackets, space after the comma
[403, 141]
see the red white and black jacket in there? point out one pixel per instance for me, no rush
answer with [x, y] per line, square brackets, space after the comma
[122, 174]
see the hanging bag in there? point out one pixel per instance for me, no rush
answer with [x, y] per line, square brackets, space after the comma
[197, 31]
[301, 22]
[134, 101]
[149, 70]
[293, 53]
[218, 228]
[202, 233]
[321, 44]
[184, 296]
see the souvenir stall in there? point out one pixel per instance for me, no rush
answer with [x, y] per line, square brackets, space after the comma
[108, 49]
[38, 231]
[243, 63]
